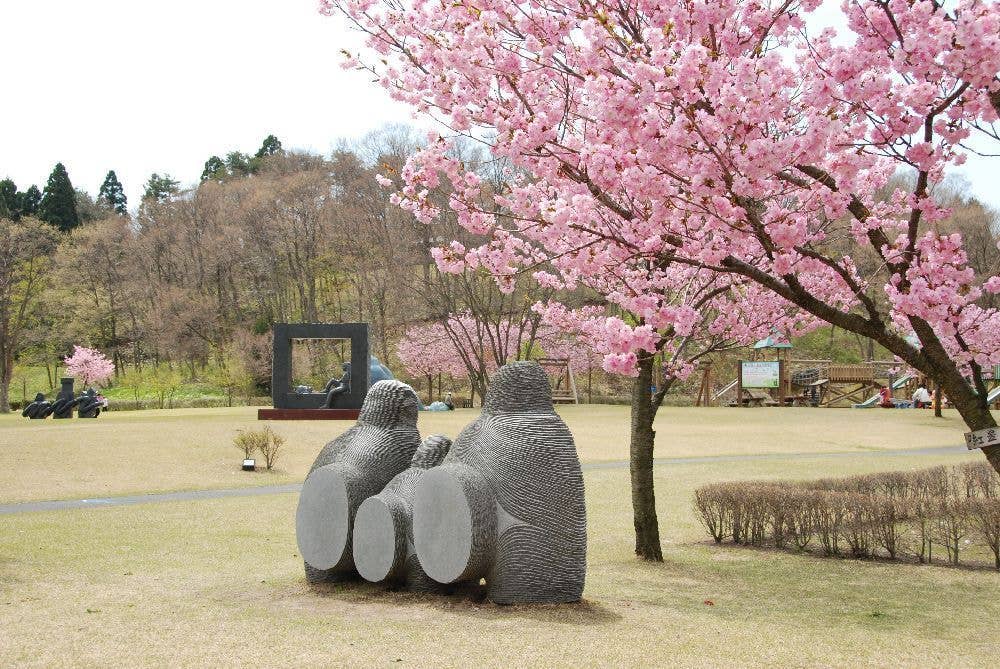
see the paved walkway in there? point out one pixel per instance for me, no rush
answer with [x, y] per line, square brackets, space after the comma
[188, 495]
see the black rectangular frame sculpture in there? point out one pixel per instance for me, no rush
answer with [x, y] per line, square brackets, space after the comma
[282, 395]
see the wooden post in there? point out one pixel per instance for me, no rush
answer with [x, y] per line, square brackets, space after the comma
[705, 390]
[739, 383]
[781, 382]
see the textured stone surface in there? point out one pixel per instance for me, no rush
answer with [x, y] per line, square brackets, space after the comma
[507, 504]
[351, 468]
[383, 537]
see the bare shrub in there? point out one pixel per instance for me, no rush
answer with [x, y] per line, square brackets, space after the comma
[270, 445]
[715, 512]
[248, 442]
[981, 480]
[856, 528]
[952, 526]
[801, 520]
[887, 513]
[830, 510]
[984, 516]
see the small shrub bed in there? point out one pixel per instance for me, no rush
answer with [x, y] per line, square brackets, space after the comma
[892, 515]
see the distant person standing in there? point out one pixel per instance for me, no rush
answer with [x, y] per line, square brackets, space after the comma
[921, 398]
[886, 398]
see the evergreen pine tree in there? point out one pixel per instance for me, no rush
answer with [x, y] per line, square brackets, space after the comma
[271, 146]
[8, 200]
[58, 205]
[112, 194]
[160, 188]
[238, 164]
[29, 201]
[214, 169]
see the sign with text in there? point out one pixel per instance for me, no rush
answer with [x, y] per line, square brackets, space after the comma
[983, 438]
[759, 374]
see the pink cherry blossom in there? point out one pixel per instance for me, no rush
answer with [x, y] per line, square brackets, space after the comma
[90, 366]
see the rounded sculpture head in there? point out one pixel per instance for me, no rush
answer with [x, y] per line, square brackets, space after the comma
[390, 403]
[519, 386]
[39, 397]
[346, 366]
[431, 452]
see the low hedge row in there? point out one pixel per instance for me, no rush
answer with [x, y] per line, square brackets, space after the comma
[181, 403]
[891, 515]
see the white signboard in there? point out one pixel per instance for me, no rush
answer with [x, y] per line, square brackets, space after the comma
[983, 438]
[760, 374]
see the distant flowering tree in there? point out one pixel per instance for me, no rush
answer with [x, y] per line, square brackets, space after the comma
[89, 366]
[714, 135]
[426, 350]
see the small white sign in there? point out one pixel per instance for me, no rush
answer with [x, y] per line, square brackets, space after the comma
[983, 438]
[760, 374]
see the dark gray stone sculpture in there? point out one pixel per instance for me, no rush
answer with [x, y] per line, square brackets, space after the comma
[88, 404]
[337, 387]
[507, 504]
[351, 468]
[285, 396]
[383, 528]
[63, 406]
[38, 409]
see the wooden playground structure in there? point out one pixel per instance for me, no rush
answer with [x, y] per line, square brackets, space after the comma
[820, 383]
[561, 380]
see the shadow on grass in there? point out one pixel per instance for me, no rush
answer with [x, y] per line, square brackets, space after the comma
[468, 601]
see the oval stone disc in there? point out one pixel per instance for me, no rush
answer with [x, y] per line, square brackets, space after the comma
[374, 540]
[321, 520]
[442, 526]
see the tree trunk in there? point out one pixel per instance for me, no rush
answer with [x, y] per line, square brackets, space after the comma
[6, 374]
[938, 396]
[647, 530]
[973, 409]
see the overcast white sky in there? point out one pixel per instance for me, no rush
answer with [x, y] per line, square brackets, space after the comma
[142, 87]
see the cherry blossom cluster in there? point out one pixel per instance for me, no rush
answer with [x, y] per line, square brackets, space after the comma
[700, 162]
[89, 366]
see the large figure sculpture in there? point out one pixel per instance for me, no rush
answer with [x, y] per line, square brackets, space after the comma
[336, 387]
[507, 504]
[383, 528]
[351, 468]
[38, 409]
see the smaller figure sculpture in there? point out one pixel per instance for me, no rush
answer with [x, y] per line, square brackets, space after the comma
[336, 387]
[38, 409]
[383, 526]
[449, 402]
[89, 404]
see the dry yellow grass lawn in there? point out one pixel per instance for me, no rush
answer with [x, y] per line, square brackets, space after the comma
[183, 449]
[218, 583]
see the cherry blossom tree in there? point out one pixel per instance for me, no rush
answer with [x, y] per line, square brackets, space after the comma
[718, 135]
[427, 350]
[89, 366]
